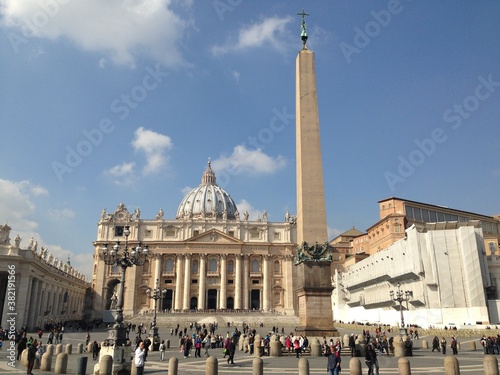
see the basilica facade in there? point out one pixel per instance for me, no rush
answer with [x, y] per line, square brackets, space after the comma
[209, 257]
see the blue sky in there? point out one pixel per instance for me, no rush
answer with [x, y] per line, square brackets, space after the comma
[115, 101]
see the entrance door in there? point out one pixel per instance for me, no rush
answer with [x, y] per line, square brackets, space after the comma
[194, 303]
[255, 299]
[230, 303]
[167, 300]
[212, 299]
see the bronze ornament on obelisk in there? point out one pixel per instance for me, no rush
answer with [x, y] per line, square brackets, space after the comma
[313, 258]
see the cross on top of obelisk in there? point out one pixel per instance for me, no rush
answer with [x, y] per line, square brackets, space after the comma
[303, 34]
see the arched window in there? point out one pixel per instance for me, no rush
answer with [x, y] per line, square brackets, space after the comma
[230, 266]
[194, 269]
[212, 265]
[255, 266]
[169, 265]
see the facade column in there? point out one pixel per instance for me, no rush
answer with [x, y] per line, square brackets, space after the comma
[187, 282]
[202, 281]
[38, 304]
[237, 286]
[33, 298]
[267, 282]
[289, 286]
[178, 282]
[246, 278]
[223, 282]
[157, 274]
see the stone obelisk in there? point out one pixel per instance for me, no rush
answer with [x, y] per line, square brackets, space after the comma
[313, 259]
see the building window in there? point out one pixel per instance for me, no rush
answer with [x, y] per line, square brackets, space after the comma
[194, 281]
[277, 236]
[170, 232]
[277, 267]
[169, 265]
[230, 281]
[230, 266]
[254, 234]
[255, 266]
[231, 233]
[212, 265]
[119, 231]
[168, 281]
[148, 233]
[194, 269]
[146, 267]
[196, 232]
[255, 281]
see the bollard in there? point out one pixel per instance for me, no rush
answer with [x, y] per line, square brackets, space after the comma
[212, 366]
[46, 361]
[303, 366]
[490, 363]
[345, 341]
[451, 366]
[404, 366]
[133, 369]
[258, 366]
[61, 363]
[173, 365]
[106, 365]
[69, 349]
[424, 344]
[246, 345]
[50, 349]
[24, 358]
[81, 366]
[315, 348]
[473, 345]
[275, 349]
[89, 348]
[399, 349]
[256, 345]
[59, 349]
[355, 367]
[80, 348]
[167, 342]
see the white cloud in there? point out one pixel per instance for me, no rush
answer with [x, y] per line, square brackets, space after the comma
[120, 30]
[269, 31]
[16, 204]
[154, 145]
[243, 160]
[236, 75]
[122, 174]
[253, 213]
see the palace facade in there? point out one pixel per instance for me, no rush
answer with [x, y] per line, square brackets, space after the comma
[36, 288]
[208, 258]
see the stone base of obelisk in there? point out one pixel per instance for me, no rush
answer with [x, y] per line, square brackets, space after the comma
[315, 300]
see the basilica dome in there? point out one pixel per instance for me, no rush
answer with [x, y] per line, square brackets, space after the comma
[207, 201]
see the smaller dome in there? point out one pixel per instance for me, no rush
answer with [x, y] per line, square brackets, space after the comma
[207, 201]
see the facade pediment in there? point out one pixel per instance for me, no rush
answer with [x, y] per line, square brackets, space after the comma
[214, 236]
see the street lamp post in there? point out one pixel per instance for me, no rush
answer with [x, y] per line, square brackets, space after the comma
[400, 297]
[117, 335]
[155, 295]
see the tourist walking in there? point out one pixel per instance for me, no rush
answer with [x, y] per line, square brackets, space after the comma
[32, 348]
[139, 358]
[443, 345]
[333, 363]
[162, 348]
